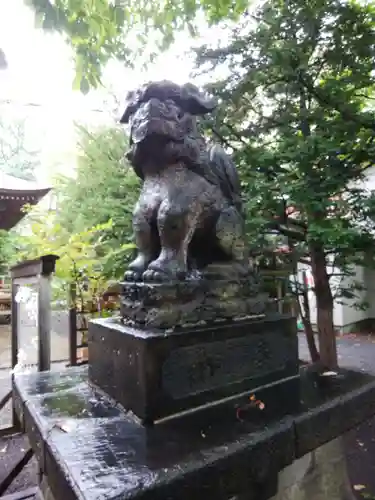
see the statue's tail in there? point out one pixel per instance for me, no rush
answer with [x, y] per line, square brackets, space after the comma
[223, 168]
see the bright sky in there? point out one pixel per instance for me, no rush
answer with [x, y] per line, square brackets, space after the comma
[40, 70]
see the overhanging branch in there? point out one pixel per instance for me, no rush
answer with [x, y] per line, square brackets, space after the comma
[329, 102]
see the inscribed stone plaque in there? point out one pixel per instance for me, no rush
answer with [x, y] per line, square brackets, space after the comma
[27, 327]
[207, 366]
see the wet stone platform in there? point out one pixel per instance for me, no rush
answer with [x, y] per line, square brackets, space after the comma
[89, 448]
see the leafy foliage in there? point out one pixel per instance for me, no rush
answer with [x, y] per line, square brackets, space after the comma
[99, 30]
[104, 188]
[82, 255]
[296, 112]
[90, 229]
[9, 242]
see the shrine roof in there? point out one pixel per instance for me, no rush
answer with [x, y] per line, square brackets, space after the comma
[14, 195]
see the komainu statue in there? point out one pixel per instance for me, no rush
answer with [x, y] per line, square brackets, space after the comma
[189, 213]
[192, 263]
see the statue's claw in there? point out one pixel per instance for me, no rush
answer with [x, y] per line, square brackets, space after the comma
[132, 276]
[163, 270]
[156, 276]
[137, 268]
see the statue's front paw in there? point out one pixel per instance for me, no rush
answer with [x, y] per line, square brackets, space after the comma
[155, 275]
[132, 275]
[165, 270]
[136, 268]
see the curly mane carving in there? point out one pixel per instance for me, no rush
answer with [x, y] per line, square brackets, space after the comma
[164, 110]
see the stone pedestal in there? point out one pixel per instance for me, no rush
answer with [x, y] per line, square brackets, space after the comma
[89, 448]
[157, 374]
[319, 475]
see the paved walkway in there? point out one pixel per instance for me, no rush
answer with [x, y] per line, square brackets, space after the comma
[353, 351]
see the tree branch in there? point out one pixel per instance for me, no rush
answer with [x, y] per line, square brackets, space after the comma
[329, 102]
[222, 138]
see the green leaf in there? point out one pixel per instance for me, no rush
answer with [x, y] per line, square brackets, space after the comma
[101, 26]
[84, 84]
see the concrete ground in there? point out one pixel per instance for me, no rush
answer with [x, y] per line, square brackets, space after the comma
[354, 351]
[11, 451]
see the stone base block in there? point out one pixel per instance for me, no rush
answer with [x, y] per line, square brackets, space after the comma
[159, 374]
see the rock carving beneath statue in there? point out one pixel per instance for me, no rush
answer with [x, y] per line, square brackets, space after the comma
[191, 303]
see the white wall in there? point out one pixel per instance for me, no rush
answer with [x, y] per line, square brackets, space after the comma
[345, 313]
[351, 313]
[365, 276]
[338, 308]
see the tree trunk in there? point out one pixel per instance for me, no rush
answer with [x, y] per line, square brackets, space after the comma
[304, 308]
[324, 299]
[314, 353]
[304, 312]
[324, 305]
